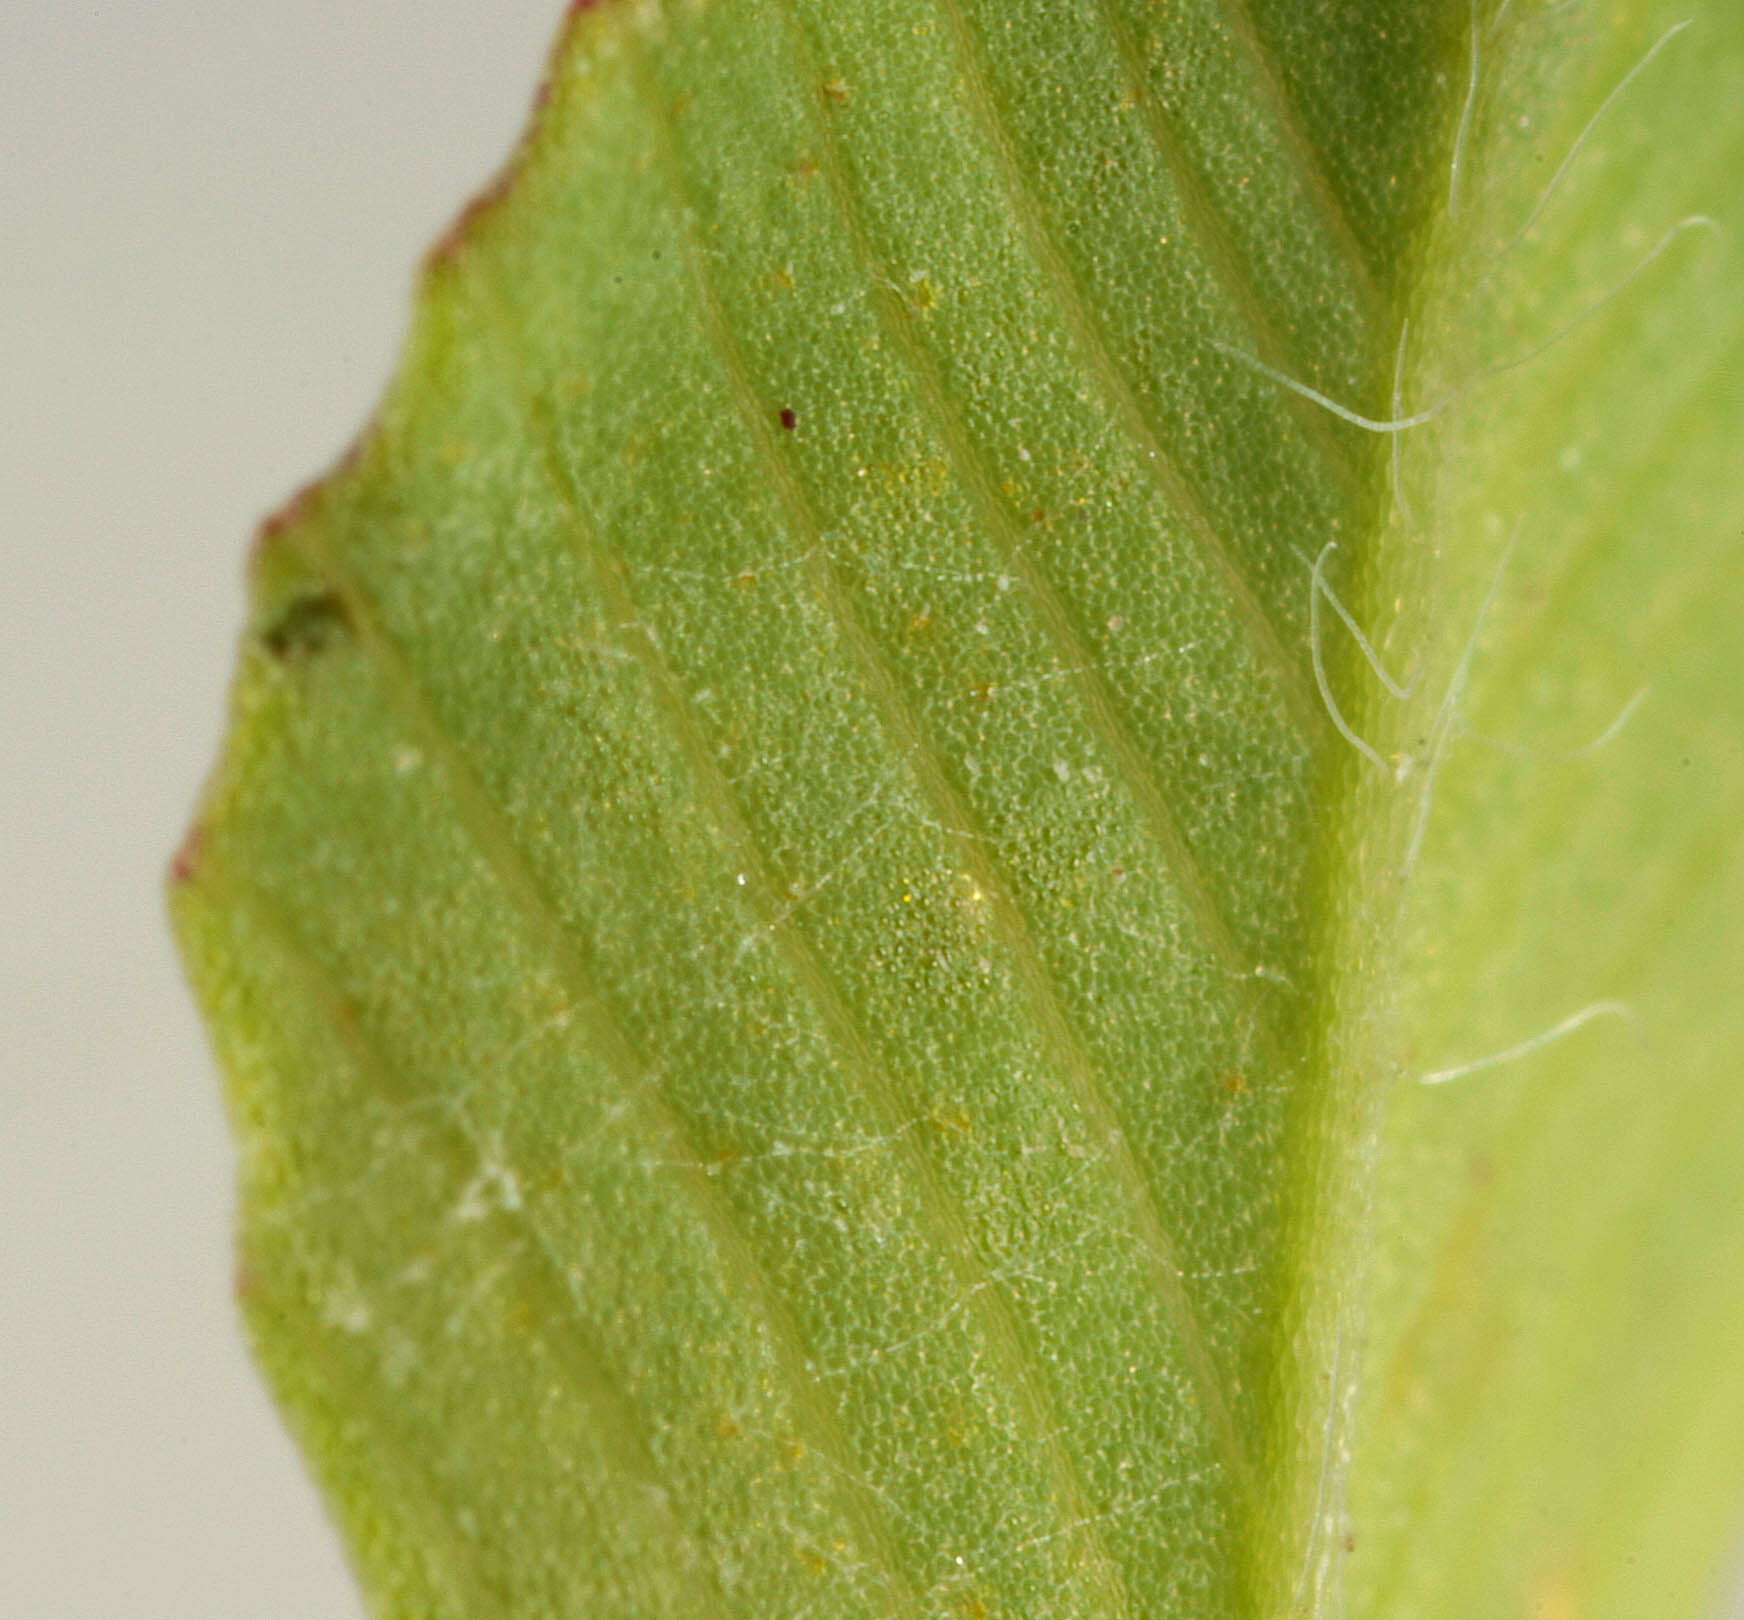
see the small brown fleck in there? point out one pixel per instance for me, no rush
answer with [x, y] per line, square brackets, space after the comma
[789, 418]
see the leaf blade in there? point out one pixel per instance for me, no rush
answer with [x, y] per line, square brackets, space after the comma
[829, 647]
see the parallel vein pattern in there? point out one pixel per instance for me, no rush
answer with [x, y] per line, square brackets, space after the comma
[629, 1070]
[599, 1392]
[911, 743]
[1360, 258]
[780, 789]
[1127, 409]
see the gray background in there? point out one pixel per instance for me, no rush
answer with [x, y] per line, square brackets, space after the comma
[209, 218]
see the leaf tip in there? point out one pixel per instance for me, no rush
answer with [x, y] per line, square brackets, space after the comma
[464, 227]
[185, 863]
[301, 505]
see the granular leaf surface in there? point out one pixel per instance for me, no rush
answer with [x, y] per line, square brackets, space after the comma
[823, 950]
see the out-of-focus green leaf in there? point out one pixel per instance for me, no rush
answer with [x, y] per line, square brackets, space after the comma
[825, 957]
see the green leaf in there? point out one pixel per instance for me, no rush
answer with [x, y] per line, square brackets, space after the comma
[824, 949]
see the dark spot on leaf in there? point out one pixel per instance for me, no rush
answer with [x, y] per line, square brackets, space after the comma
[789, 419]
[306, 625]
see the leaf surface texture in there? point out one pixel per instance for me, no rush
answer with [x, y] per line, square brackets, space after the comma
[820, 1017]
